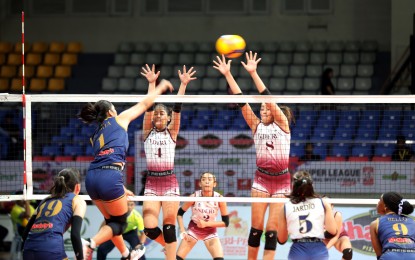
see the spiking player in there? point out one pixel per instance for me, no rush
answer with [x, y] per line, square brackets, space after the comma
[104, 180]
[203, 222]
[272, 142]
[160, 131]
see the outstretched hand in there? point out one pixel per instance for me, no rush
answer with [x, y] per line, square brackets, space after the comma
[150, 74]
[221, 65]
[186, 77]
[251, 62]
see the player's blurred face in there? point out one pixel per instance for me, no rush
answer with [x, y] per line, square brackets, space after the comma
[160, 117]
[381, 206]
[208, 181]
[266, 115]
[131, 206]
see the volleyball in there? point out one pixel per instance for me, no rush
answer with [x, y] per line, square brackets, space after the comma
[232, 46]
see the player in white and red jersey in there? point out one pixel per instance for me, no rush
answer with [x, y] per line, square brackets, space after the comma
[203, 222]
[304, 218]
[272, 142]
[160, 131]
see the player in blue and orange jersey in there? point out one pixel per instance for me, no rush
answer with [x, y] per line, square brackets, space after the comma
[53, 216]
[160, 131]
[393, 234]
[271, 134]
[104, 180]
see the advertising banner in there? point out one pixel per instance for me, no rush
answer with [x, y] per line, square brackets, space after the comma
[234, 238]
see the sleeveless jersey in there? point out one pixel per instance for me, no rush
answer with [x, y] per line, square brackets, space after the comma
[396, 231]
[205, 210]
[53, 219]
[159, 148]
[305, 219]
[110, 143]
[272, 147]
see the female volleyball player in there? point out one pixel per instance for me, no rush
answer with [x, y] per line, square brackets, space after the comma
[104, 180]
[53, 216]
[341, 240]
[304, 218]
[393, 234]
[203, 222]
[160, 131]
[272, 137]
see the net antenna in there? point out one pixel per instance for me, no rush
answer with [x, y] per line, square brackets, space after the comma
[24, 113]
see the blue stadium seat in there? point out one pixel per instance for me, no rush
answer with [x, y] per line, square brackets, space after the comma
[307, 115]
[370, 118]
[408, 130]
[61, 139]
[239, 123]
[349, 118]
[198, 124]
[383, 150]
[320, 149]
[322, 133]
[343, 134]
[51, 150]
[68, 131]
[300, 133]
[392, 117]
[388, 132]
[296, 149]
[340, 150]
[80, 139]
[362, 150]
[366, 134]
[73, 150]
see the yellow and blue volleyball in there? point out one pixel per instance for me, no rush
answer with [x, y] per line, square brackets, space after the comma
[232, 46]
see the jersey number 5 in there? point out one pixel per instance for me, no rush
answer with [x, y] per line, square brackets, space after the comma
[305, 225]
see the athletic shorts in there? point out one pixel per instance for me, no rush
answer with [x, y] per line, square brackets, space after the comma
[162, 186]
[104, 184]
[390, 255]
[273, 185]
[308, 251]
[201, 233]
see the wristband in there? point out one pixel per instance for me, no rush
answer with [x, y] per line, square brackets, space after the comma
[265, 92]
[241, 105]
[150, 109]
[177, 107]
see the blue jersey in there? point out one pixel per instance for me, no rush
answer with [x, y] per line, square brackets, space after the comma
[110, 143]
[396, 232]
[53, 218]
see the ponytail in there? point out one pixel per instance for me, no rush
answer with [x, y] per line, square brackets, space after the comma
[302, 187]
[95, 112]
[396, 203]
[65, 182]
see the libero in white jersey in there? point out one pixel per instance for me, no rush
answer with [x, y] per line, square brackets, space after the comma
[159, 147]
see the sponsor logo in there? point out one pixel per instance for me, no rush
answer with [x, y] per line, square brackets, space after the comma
[230, 194]
[241, 141]
[209, 141]
[106, 152]
[367, 176]
[229, 161]
[41, 226]
[181, 142]
[187, 173]
[394, 176]
[244, 184]
[230, 173]
[183, 161]
[358, 228]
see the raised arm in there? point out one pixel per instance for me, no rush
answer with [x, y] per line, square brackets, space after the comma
[151, 75]
[185, 78]
[138, 109]
[251, 67]
[225, 69]
[79, 209]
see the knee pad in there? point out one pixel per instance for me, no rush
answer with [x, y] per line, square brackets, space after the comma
[179, 258]
[218, 258]
[169, 233]
[152, 233]
[348, 253]
[270, 240]
[117, 224]
[254, 239]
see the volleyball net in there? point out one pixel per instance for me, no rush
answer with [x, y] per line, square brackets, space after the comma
[353, 139]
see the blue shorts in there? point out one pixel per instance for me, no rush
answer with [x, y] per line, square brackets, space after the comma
[104, 184]
[397, 255]
[308, 251]
[36, 255]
